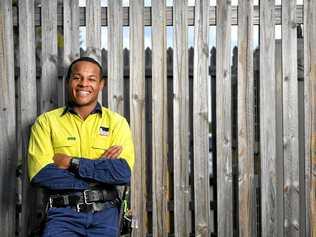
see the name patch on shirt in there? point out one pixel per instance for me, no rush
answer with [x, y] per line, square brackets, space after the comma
[104, 131]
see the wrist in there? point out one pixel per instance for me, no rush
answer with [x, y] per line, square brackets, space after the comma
[74, 165]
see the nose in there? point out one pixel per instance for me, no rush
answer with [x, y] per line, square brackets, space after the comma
[83, 82]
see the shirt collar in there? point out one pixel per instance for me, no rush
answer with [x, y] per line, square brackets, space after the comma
[70, 108]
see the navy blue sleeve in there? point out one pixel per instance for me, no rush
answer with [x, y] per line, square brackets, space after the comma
[109, 171]
[54, 178]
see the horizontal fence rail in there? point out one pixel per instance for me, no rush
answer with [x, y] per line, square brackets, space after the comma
[168, 14]
[224, 138]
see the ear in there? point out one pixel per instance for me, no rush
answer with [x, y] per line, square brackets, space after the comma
[102, 84]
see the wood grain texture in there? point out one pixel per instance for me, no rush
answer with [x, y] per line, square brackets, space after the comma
[93, 35]
[169, 16]
[137, 117]
[160, 197]
[245, 109]
[200, 120]
[49, 92]
[310, 114]
[181, 121]
[268, 120]
[93, 23]
[8, 153]
[290, 120]
[71, 39]
[279, 137]
[115, 50]
[27, 106]
[71, 31]
[71, 42]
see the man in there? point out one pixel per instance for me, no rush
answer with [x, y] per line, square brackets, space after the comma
[78, 154]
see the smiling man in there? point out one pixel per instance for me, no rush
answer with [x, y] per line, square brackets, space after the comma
[79, 154]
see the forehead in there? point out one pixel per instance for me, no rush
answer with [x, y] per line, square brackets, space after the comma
[85, 66]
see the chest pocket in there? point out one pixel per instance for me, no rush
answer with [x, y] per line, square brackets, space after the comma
[100, 145]
[65, 146]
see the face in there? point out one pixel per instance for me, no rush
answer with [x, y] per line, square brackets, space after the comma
[85, 83]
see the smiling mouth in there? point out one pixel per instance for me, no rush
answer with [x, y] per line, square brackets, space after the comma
[82, 93]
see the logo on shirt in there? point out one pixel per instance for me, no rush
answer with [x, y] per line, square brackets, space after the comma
[104, 131]
[71, 138]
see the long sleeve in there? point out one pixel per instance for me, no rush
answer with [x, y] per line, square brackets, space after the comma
[110, 171]
[54, 178]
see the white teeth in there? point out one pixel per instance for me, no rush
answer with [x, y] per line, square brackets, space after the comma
[83, 93]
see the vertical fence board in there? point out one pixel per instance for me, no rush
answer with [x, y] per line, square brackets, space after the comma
[28, 105]
[7, 122]
[310, 114]
[181, 121]
[223, 120]
[290, 119]
[159, 121]
[245, 109]
[71, 33]
[137, 117]
[49, 98]
[200, 120]
[279, 136]
[268, 121]
[115, 59]
[93, 24]
[93, 36]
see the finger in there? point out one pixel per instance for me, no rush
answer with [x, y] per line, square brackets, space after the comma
[115, 153]
[113, 150]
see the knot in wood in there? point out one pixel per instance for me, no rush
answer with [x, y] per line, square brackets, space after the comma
[204, 115]
[296, 186]
[296, 224]
[53, 58]
[205, 49]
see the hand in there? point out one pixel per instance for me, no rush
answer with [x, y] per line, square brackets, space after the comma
[62, 161]
[113, 152]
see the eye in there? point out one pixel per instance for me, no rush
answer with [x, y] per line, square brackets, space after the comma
[92, 79]
[75, 77]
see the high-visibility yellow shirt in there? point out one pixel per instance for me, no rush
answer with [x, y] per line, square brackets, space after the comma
[63, 132]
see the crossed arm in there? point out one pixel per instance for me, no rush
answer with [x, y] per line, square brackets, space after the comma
[109, 168]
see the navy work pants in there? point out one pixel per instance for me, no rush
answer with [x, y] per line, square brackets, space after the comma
[67, 222]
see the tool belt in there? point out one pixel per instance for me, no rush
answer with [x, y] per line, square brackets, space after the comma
[89, 200]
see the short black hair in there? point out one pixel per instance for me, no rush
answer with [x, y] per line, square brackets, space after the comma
[87, 59]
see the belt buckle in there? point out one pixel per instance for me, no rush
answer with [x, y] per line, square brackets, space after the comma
[85, 197]
[85, 202]
[79, 206]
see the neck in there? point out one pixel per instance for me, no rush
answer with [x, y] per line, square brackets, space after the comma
[84, 111]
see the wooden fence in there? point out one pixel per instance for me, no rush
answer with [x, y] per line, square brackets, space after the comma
[263, 179]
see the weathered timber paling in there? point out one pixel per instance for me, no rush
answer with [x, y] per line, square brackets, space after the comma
[93, 37]
[223, 121]
[200, 121]
[7, 122]
[290, 121]
[181, 121]
[268, 121]
[245, 109]
[115, 39]
[137, 117]
[159, 122]
[48, 95]
[27, 107]
[310, 115]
